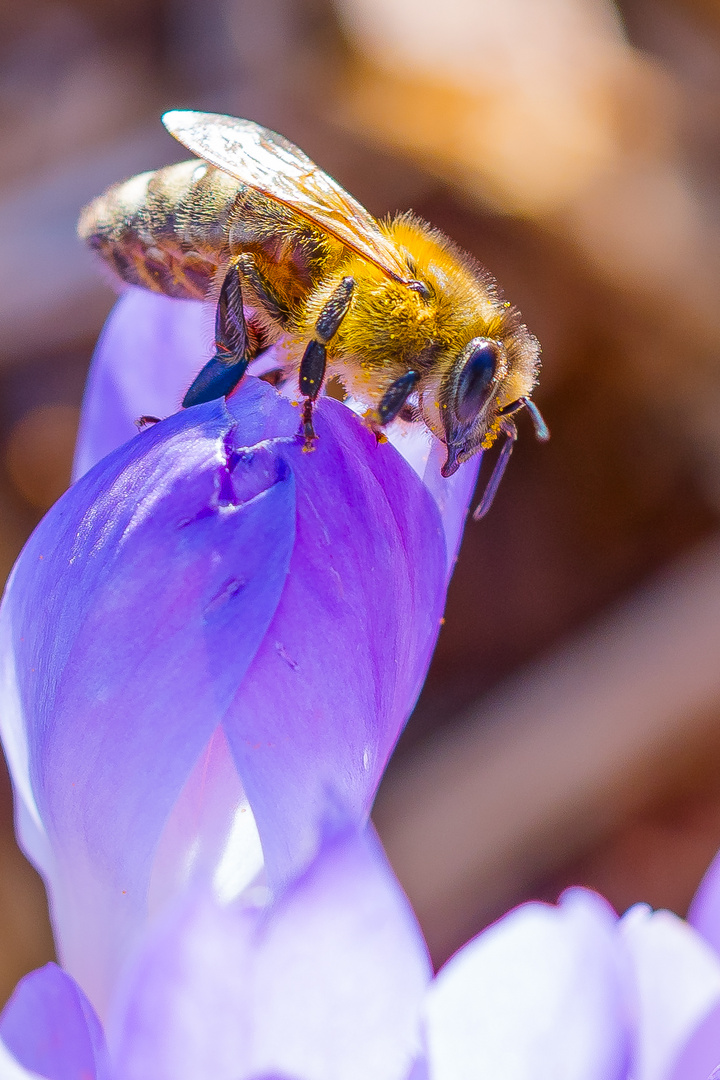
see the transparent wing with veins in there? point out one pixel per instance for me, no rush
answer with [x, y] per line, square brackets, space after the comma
[264, 160]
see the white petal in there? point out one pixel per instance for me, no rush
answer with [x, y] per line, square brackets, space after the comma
[538, 996]
[677, 981]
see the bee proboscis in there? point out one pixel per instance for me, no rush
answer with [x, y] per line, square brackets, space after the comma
[410, 325]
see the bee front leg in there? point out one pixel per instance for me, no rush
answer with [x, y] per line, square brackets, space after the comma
[391, 404]
[395, 397]
[224, 371]
[312, 365]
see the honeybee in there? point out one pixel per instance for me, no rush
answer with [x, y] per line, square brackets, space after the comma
[410, 325]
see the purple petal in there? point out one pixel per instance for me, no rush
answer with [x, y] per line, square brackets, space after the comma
[149, 352]
[326, 984]
[145, 572]
[346, 654]
[540, 994]
[51, 1029]
[210, 573]
[677, 981]
[704, 913]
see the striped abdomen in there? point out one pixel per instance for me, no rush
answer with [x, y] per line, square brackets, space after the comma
[167, 230]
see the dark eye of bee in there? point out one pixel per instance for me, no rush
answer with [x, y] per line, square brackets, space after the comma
[477, 380]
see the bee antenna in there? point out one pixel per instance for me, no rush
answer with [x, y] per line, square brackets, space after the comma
[496, 476]
[542, 431]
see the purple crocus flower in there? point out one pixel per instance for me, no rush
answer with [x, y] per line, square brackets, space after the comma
[330, 981]
[210, 644]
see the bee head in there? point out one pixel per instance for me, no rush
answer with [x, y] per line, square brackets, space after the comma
[468, 399]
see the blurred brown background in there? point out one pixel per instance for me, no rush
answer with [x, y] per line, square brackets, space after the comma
[570, 727]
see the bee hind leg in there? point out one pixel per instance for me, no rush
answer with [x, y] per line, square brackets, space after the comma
[262, 289]
[312, 365]
[226, 368]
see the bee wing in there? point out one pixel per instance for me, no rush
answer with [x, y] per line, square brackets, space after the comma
[265, 160]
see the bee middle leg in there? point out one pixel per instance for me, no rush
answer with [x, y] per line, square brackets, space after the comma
[224, 371]
[312, 365]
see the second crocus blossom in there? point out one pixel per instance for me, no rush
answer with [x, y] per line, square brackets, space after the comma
[207, 651]
[330, 981]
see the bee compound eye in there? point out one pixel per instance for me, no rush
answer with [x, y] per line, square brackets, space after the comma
[477, 380]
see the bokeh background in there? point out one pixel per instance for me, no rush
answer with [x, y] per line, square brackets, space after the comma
[569, 730]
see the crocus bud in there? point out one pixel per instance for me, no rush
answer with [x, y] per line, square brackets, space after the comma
[208, 649]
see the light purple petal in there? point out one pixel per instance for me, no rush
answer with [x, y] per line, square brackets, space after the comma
[50, 1028]
[326, 984]
[538, 996]
[426, 455]
[10, 1069]
[704, 913]
[149, 352]
[210, 833]
[677, 983]
[701, 1053]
